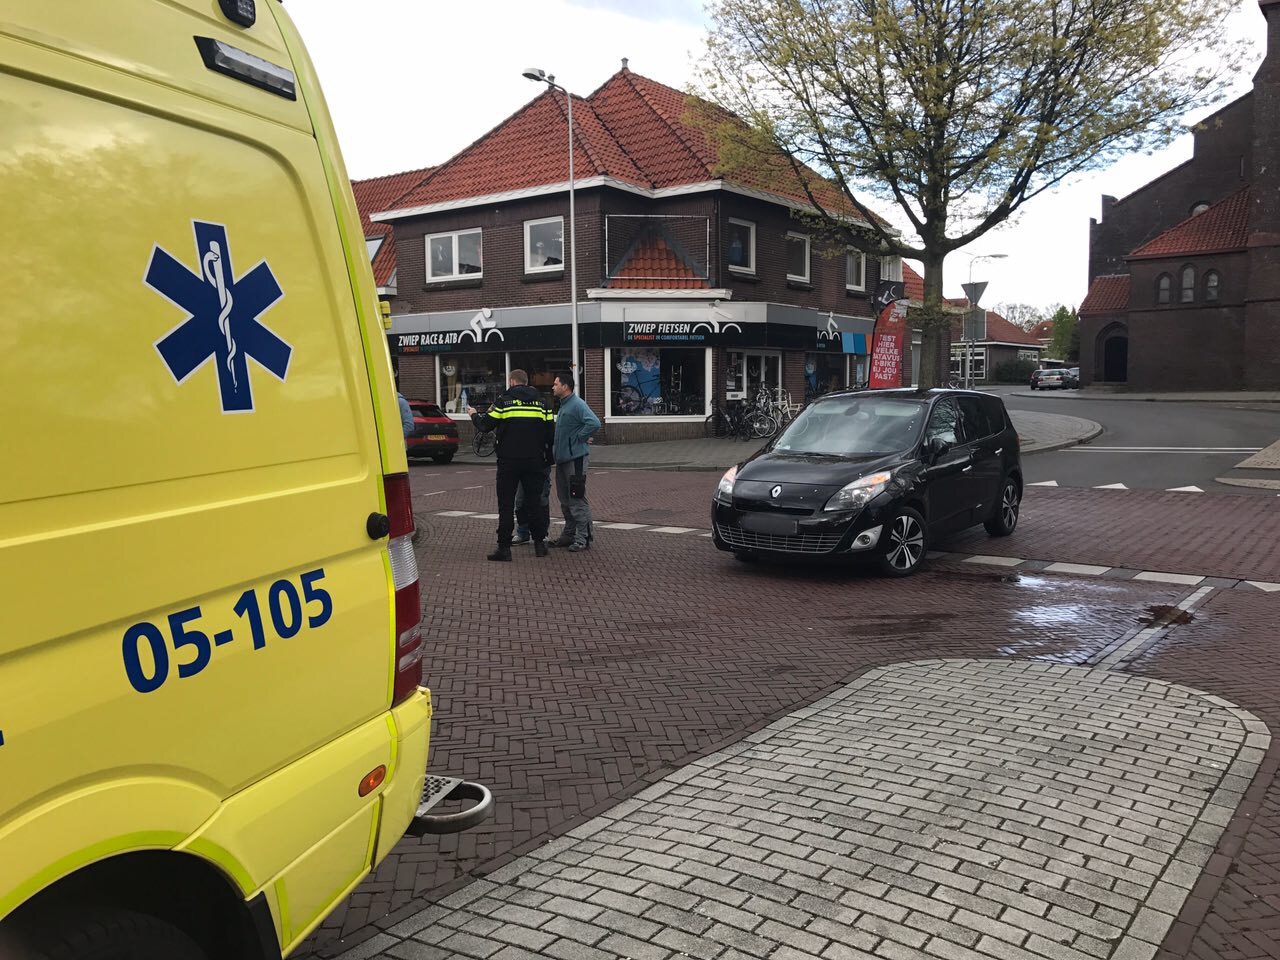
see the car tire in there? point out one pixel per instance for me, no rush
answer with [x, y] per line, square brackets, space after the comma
[906, 544]
[1008, 507]
[746, 556]
[442, 457]
[87, 933]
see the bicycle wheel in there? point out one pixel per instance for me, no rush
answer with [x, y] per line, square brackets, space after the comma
[485, 443]
[761, 424]
[715, 425]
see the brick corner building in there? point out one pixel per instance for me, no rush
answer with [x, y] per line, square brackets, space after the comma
[695, 290]
[1184, 273]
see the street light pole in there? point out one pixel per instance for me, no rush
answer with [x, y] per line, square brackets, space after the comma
[533, 73]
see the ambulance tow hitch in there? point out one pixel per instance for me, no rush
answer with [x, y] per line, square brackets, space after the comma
[436, 790]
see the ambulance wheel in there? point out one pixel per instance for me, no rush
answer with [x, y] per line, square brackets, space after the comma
[102, 934]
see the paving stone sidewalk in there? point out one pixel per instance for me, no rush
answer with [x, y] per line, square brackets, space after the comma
[1039, 431]
[954, 809]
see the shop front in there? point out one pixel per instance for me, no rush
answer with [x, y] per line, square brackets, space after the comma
[653, 370]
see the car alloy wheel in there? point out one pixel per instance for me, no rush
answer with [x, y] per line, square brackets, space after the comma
[906, 543]
[1009, 506]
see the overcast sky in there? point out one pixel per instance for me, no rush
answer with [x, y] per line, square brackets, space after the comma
[410, 83]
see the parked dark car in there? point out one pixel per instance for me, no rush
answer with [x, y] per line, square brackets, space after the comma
[1048, 379]
[434, 435]
[874, 475]
[1071, 378]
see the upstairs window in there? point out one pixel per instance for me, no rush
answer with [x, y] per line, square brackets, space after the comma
[544, 245]
[798, 257]
[1212, 281]
[740, 251]
[1188, 284]
[855, 270]
[1199, 208]
[373, 243]
[454, 255]
[1164, 284]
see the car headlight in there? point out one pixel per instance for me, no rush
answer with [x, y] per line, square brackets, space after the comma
[725, 491]
[856, 495]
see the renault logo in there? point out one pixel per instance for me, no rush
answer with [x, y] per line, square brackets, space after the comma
[776, 491]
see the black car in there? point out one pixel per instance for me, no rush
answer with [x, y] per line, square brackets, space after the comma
[874, 475]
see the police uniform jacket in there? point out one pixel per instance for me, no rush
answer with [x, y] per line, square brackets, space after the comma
[525, 425]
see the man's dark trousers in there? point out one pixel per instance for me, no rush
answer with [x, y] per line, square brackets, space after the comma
[512, 474]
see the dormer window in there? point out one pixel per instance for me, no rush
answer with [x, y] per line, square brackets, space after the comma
[1199, 208]
[1188, 294]
[1212, 281]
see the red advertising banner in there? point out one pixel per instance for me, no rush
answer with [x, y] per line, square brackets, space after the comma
[886, 346]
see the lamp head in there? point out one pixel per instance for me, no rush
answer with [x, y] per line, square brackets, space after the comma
[533, 73]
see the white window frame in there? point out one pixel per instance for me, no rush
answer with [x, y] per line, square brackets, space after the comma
[608, 391]
[976, 360]
[455, 234]
[808, 261]
[751, 252]
[553, 268]
[850, 253]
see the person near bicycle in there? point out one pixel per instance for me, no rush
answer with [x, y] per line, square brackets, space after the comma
[525, 429]
[576, 423]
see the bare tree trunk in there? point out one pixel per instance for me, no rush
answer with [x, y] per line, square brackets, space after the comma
[933, 325]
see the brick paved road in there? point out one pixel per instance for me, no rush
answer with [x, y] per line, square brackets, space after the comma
[1231, 650]
[568, 683]
[1219, 536]
[668, 650]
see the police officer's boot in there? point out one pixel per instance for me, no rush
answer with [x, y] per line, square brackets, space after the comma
[502, 553]
[540, 548]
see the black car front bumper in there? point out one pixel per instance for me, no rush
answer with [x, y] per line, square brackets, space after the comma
[736, 529]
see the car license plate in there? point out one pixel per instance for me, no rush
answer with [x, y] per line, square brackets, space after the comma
[769, 523]
[436, 436]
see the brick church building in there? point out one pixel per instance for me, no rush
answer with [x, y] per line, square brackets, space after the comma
[1184, 273]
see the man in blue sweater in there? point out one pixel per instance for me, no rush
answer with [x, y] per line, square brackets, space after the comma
[575, 423]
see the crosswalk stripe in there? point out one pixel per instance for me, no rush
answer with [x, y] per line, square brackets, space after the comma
[1190, 489]
[1111, 486]
[1044, 483]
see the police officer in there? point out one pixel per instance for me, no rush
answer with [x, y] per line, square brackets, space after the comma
[526, 432]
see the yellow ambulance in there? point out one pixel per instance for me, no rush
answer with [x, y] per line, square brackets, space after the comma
[211, 724]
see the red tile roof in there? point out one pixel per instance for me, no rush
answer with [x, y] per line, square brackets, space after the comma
[631, 129]
[999, 330]
[914, 283]
[379, 193]
[1108, 293]
[1224, 226]
[1043, 330]
[654, 265]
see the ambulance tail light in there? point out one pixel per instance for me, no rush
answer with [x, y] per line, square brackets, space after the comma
[404, 572]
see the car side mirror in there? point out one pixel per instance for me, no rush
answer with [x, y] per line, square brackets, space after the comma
[937, 448]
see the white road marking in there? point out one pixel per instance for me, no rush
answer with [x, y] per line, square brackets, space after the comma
[1191, 489]
[1183, 578]
[1144, 637]
[1092, 448]
[995, 561]
[476, 487]
[485, 516]
[622, 526]
[1083, 569]
[1264, 586]
[672, 529]
[1044, 483]
[455, 513]
[433, 493]
[1112, 486]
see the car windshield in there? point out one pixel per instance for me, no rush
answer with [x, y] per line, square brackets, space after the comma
[425, 410]
[854, 426]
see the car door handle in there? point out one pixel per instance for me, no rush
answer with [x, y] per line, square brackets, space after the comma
[967, 469]
[1000, 451]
